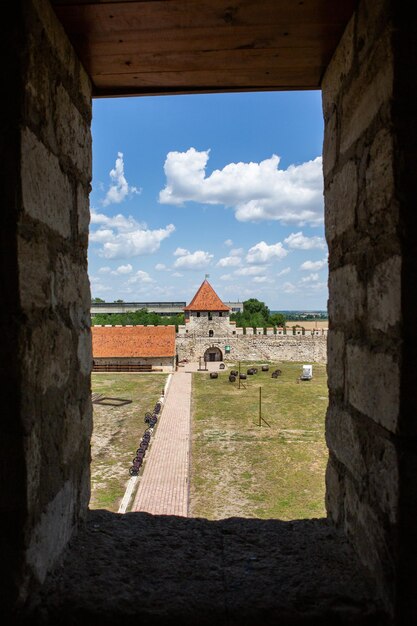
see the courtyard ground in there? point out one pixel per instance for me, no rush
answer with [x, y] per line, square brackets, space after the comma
[241, 469]
[117, 431]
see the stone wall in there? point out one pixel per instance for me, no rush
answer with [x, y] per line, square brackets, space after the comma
[46, 353]
[255, 347]
[164, 363]
[220, 325]
[368, 99]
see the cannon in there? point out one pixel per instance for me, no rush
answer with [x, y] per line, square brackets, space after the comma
[214, 375]
[265, 368]
[232, 378]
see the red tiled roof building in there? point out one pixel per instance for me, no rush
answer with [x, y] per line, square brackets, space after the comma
[206, 316]
[206, 299]
[134, 347]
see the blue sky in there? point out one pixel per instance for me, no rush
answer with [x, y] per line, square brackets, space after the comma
[228, 185]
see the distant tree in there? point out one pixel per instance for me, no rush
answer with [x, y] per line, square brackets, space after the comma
[257, 315]
[137, 318]
[97, 300]
[118, 300]
[277, 319]
[253, 306]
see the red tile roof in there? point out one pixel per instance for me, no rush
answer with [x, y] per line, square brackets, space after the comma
[206, 299]
[133, 341]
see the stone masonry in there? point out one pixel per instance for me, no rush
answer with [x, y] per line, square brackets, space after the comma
[368, 90]
[255, 347]
[46, 346]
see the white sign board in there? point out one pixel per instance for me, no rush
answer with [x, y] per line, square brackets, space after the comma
[307, 372]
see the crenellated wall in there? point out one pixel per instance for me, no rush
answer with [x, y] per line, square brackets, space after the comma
[255, 347]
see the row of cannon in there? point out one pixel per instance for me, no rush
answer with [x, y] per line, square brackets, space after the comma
[234, 374]
[150, 419]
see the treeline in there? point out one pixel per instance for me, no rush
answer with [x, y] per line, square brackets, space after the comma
[137, 318]
[257, 315]
[306, 317]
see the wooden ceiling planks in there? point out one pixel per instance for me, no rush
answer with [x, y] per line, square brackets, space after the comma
[191, 46]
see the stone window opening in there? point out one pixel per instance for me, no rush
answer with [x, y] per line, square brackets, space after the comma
[370, 424]
[211, 333]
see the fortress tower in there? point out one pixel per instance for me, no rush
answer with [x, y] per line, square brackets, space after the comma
[207, 315]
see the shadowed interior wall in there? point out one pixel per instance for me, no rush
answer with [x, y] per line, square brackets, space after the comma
[368, 94]
[46, 353]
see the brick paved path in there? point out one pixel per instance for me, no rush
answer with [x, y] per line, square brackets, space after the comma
[163, 487]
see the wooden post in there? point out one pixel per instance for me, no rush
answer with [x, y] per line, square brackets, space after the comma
[260, 406]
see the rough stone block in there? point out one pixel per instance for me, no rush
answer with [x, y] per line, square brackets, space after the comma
[47, 357]
[337, 70]
[372, 460]
[85, 352]
[371, 17]
[384, 295]
[346, 295]
[371, 89]
[49, 538]
[370, 535]
[46, 191]
[340, 201]
[83, 210]
[373, 385]
[336, 360]
[334, 493]
[379, 173]
[71, 284]
[330, 145]
[56, 35]
[73, 133]
[34, 274]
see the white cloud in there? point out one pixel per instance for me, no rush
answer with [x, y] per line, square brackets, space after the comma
[192, 260]
[262, 279]
[318, 286]
[289, 288]
[226, 277]
[310, 278]
[236, 252]
[256, 191]
[228, 243]
[298, 241]
[229, 261]
[120, 188]
[287, 270]
[140, 277]
[177, 274]
[250, 271]
[123, 269]
[262, 252]
[181, 252]
[123, 237]
[160, 267]
[310, 266]
[105, 270]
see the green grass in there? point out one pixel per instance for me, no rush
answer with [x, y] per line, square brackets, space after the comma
[239, 468]
[117, 431]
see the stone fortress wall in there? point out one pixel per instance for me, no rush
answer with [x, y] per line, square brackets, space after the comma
[308, 347]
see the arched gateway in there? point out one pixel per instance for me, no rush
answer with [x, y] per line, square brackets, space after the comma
[213, 354]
